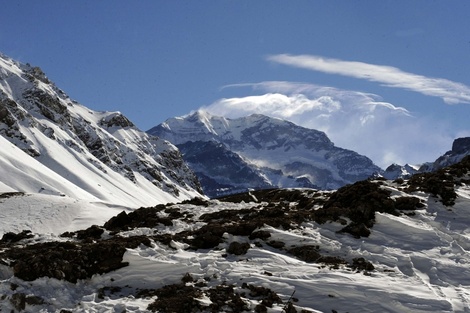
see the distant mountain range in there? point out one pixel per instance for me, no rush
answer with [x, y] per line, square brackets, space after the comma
[460, 149]
[257, 151]
[261, 152]
[54, 145]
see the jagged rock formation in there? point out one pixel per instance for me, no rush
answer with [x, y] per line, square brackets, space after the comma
[261, 152]
[101, 153]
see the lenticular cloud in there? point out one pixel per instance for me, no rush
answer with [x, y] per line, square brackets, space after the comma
[451, 92]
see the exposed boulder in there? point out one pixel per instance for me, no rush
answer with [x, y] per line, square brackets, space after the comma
[70, 261]
[238, 248]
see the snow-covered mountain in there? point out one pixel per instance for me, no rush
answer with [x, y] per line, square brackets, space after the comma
[53, 145]
[395, 171]
[460, 149]
[232, 155]
[373, 246]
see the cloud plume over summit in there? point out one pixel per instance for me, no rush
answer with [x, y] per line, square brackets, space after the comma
[354, 120]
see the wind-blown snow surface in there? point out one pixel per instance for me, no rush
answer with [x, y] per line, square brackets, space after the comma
[421, 264]
[53, 145]
[52, 214]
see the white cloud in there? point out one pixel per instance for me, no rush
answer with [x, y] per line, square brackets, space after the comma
[451, 92]
[354, 120]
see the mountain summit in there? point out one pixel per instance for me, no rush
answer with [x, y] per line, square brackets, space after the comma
[54, 145]
[257, 151]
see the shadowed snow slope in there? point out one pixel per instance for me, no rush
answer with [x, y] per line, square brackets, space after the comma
[374, 246]
[53, 145]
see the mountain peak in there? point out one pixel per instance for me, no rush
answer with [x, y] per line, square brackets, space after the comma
[460, 149]
[268, 152]
[461, 145]
[395, 171]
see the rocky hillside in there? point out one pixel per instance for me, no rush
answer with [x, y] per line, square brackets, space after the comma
[232, 155]
[77, 152]
[372, 246]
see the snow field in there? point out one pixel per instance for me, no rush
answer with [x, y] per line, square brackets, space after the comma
[421, 261]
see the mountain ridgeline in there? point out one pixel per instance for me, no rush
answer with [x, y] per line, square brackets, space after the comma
[260, 152]
[77, 152]
[53, 145]
[460, 149]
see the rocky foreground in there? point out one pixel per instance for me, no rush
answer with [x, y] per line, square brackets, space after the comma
[376, 245]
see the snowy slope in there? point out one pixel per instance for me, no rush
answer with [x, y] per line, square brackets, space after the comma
[420, 264]
[21, 172]
[269, 152]
[52, 144]
[51, 214]
[413, 262]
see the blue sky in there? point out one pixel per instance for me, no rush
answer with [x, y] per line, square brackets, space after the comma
[389, 79]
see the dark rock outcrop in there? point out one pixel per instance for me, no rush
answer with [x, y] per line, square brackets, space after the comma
[461, 145]
[70, 261]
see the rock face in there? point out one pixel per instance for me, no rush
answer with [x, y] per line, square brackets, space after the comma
[461, 146]
[233, 155]
[101, 153]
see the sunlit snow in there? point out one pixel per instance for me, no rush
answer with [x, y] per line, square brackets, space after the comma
[421, 262]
